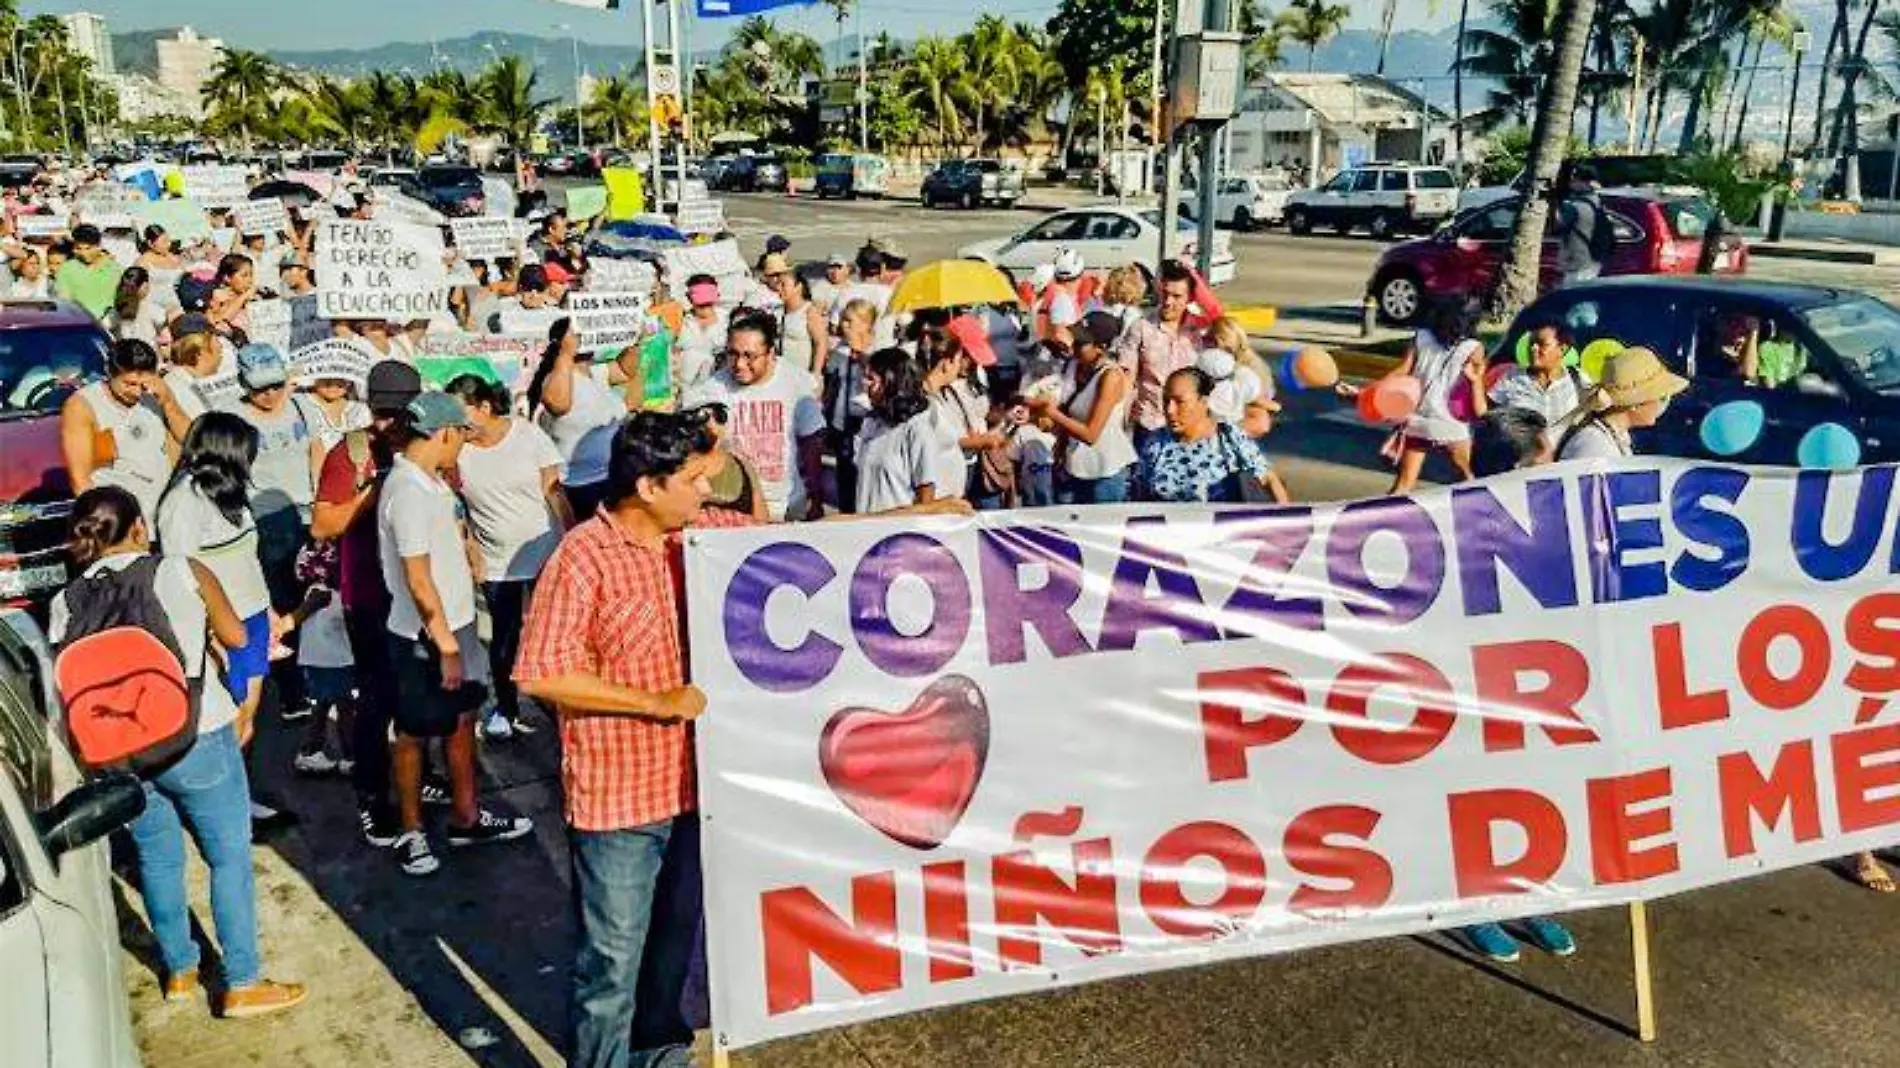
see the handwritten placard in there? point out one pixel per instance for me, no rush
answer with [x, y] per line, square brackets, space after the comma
[216, 186]
[41, 227]
[485, 238]
[267, 217]
[527, 321]
[377, 269]
[620, 275]
[702, 217]
[336, 358]
[270, 323]
[607, 320]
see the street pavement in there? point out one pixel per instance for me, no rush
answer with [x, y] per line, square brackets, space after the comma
[468, 967]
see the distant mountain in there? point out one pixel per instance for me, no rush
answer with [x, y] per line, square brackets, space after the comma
[137, 52]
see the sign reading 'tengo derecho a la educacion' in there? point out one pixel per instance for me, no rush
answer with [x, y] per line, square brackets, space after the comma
[379, 270]
[947, 760]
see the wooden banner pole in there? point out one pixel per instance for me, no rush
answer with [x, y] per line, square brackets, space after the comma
[1639, 954]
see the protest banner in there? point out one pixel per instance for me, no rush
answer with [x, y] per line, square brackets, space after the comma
[606, 320]
[375, 269]
[220, 391]
[216, 186]
[585, 202]
[620, 275]
[721, 259]
[504, 358]
[401, 207]
[108, 221]
[184, 220]
[486, 238]
[270, 323]
[626, 193]
[946, 760]
[267, 217]
[41, 227]
[338, 358]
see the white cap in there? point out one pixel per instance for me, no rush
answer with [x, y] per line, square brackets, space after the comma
[1068, 264]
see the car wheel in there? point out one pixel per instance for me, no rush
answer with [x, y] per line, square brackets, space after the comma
[971, 201]
[1381, 226]
[1400, 297]
[1297, 222]
[1243, 219]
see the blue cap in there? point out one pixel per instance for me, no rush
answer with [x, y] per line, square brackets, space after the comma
[261, 366]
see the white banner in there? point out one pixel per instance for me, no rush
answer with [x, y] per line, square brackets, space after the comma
[379, 270]
[220, 391]
[268, 217]
[270, 323]
[607, 320]
[216, 186]
[947, 760]
[531, 322]
[401, 207]
[41, 227]
[620, 275]
[487, 239]
[702, 217]
[343, 359]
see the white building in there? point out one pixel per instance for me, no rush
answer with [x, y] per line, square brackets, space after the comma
[141, 98]
[1323, 122]
[185, 63]
[90, 38]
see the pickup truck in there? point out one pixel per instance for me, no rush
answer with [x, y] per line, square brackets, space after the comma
[972, 183]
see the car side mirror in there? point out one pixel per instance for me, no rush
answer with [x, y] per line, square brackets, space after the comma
[91, 812]
[1813, 385]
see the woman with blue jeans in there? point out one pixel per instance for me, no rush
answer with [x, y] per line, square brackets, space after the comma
[207, 790]
[1091, 420]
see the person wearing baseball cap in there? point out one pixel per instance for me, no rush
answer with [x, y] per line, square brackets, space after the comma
[441, 674]
[804, 334]
[837, 275]
[345, 511]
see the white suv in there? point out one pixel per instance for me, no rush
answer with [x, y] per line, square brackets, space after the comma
[1244, 201]
[1384, 198]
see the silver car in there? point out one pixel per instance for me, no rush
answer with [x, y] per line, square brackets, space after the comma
[65, 1002]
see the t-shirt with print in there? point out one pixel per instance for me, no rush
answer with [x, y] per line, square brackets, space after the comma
[767, 419]
[1203, 470]
[328, 431]
[184, 387]
[507, 510]
[189, 525]
[584, 434]
[280, 476]
[893, 462]
[360, 575]
[416, 517]
[177, 590]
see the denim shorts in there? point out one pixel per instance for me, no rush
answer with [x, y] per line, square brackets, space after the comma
[250, 660]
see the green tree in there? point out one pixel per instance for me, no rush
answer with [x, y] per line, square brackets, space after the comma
[1312, 23]
[619, 105]
[1512, 58]
[939, 79]
[240, 89]
[513, 108]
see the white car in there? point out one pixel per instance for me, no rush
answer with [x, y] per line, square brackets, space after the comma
[391, 177]
[1106, 236]
[65, 1003]
[1244, 201]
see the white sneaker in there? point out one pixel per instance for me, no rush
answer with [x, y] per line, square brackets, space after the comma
[317, 763]
[496, 728]
[262, 813]
[412, 849]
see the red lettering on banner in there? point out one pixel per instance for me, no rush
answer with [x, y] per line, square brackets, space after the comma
[1855, 778]
[947, 921]
[1027, 892]
[1614, 829]
[1566, 680]
[1758, 677]
[1679, 707]
[1243, 869]
[1476, 868]
[1310, 852]
[1431, 720]
[1228, 732]
[1873, 631]
[1789, 788]
[863, 951]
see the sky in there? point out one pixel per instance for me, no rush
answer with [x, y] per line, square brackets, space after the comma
[288, 25]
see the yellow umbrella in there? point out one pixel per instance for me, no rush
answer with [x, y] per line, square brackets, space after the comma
[951, 283]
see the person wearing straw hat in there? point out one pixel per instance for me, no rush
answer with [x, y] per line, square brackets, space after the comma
[1633, 395]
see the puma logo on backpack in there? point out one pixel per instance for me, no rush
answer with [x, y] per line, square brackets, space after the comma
[129, 702]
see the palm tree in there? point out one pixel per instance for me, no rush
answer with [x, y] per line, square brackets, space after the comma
[241, 85]
[339, 109]
[991, 50]
[1458, 80]
[1312, 23]
[940, 78]
[1779, 26]
[513, 109]
[1514, 59]
[619, 106]
[1550, 138]
[1845, 136]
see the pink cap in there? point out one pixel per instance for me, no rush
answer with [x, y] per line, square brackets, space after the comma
[703, 293]
[974, 339]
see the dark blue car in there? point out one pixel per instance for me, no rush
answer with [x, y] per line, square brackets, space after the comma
[1823, 356]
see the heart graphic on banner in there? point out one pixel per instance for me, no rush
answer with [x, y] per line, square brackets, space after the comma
[911, 773]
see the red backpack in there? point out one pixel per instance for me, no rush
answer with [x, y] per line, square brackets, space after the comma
[121, 675]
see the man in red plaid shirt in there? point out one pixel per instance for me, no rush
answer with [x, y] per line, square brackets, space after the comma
[602, 646]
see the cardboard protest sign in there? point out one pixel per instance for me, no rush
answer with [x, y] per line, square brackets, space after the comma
[108, 221]
[527, 321]
[504, 358]
[612, 275]
[339, 358]
[216, 186]
[584, 202]
[374, 269]
[184, 220]
[220, 391]
[968, 758]
[41, 227]
[720, 259]
[267, 217]
[486, 238]
[401, 207]
[701, 217]
[606, 320]
[270, 323]
[626, 193]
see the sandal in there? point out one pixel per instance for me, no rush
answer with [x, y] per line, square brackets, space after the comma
[1869, 872]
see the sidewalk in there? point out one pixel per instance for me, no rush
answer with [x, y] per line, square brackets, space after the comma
[1827, 252]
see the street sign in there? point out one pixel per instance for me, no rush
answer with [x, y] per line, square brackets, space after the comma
[666, 78]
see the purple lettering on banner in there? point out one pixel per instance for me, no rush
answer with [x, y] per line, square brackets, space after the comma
[1278, 537]
[891, 651]
[1829, 561]
[1538, 555]
[1712, 528]
[769, 666]
[1609, 536]
[1176, 607]
[1424, 559]
[1008, 608]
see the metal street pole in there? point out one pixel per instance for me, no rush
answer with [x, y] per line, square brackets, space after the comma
[864, 87]
[580, 105]
[653, 122]
[1220, 18]
[1787, 133]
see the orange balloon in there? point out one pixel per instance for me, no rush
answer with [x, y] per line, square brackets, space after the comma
[1367, 409]
[1395, 397]
[1315, 368]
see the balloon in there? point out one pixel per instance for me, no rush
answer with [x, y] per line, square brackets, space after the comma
[1285, 374]
[1829, 447]
[1313, 367]
[1459, 402]
[1523, 350]
[1733, 428]
[1594, 354]
[1495, 375]
[1390, 399]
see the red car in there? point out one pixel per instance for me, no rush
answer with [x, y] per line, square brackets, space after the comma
[1656, 233]
[48, 349]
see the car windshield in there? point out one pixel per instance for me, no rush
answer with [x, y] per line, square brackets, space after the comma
[1182, 223]
[447, 176]
[39, 369]
[1865, 334]
[1689, 218]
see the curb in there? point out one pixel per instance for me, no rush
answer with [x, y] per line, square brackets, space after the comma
[1865, 257]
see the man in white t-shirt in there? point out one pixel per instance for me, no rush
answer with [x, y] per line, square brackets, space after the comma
[776, 423]
[877, 280]
[434, 650]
